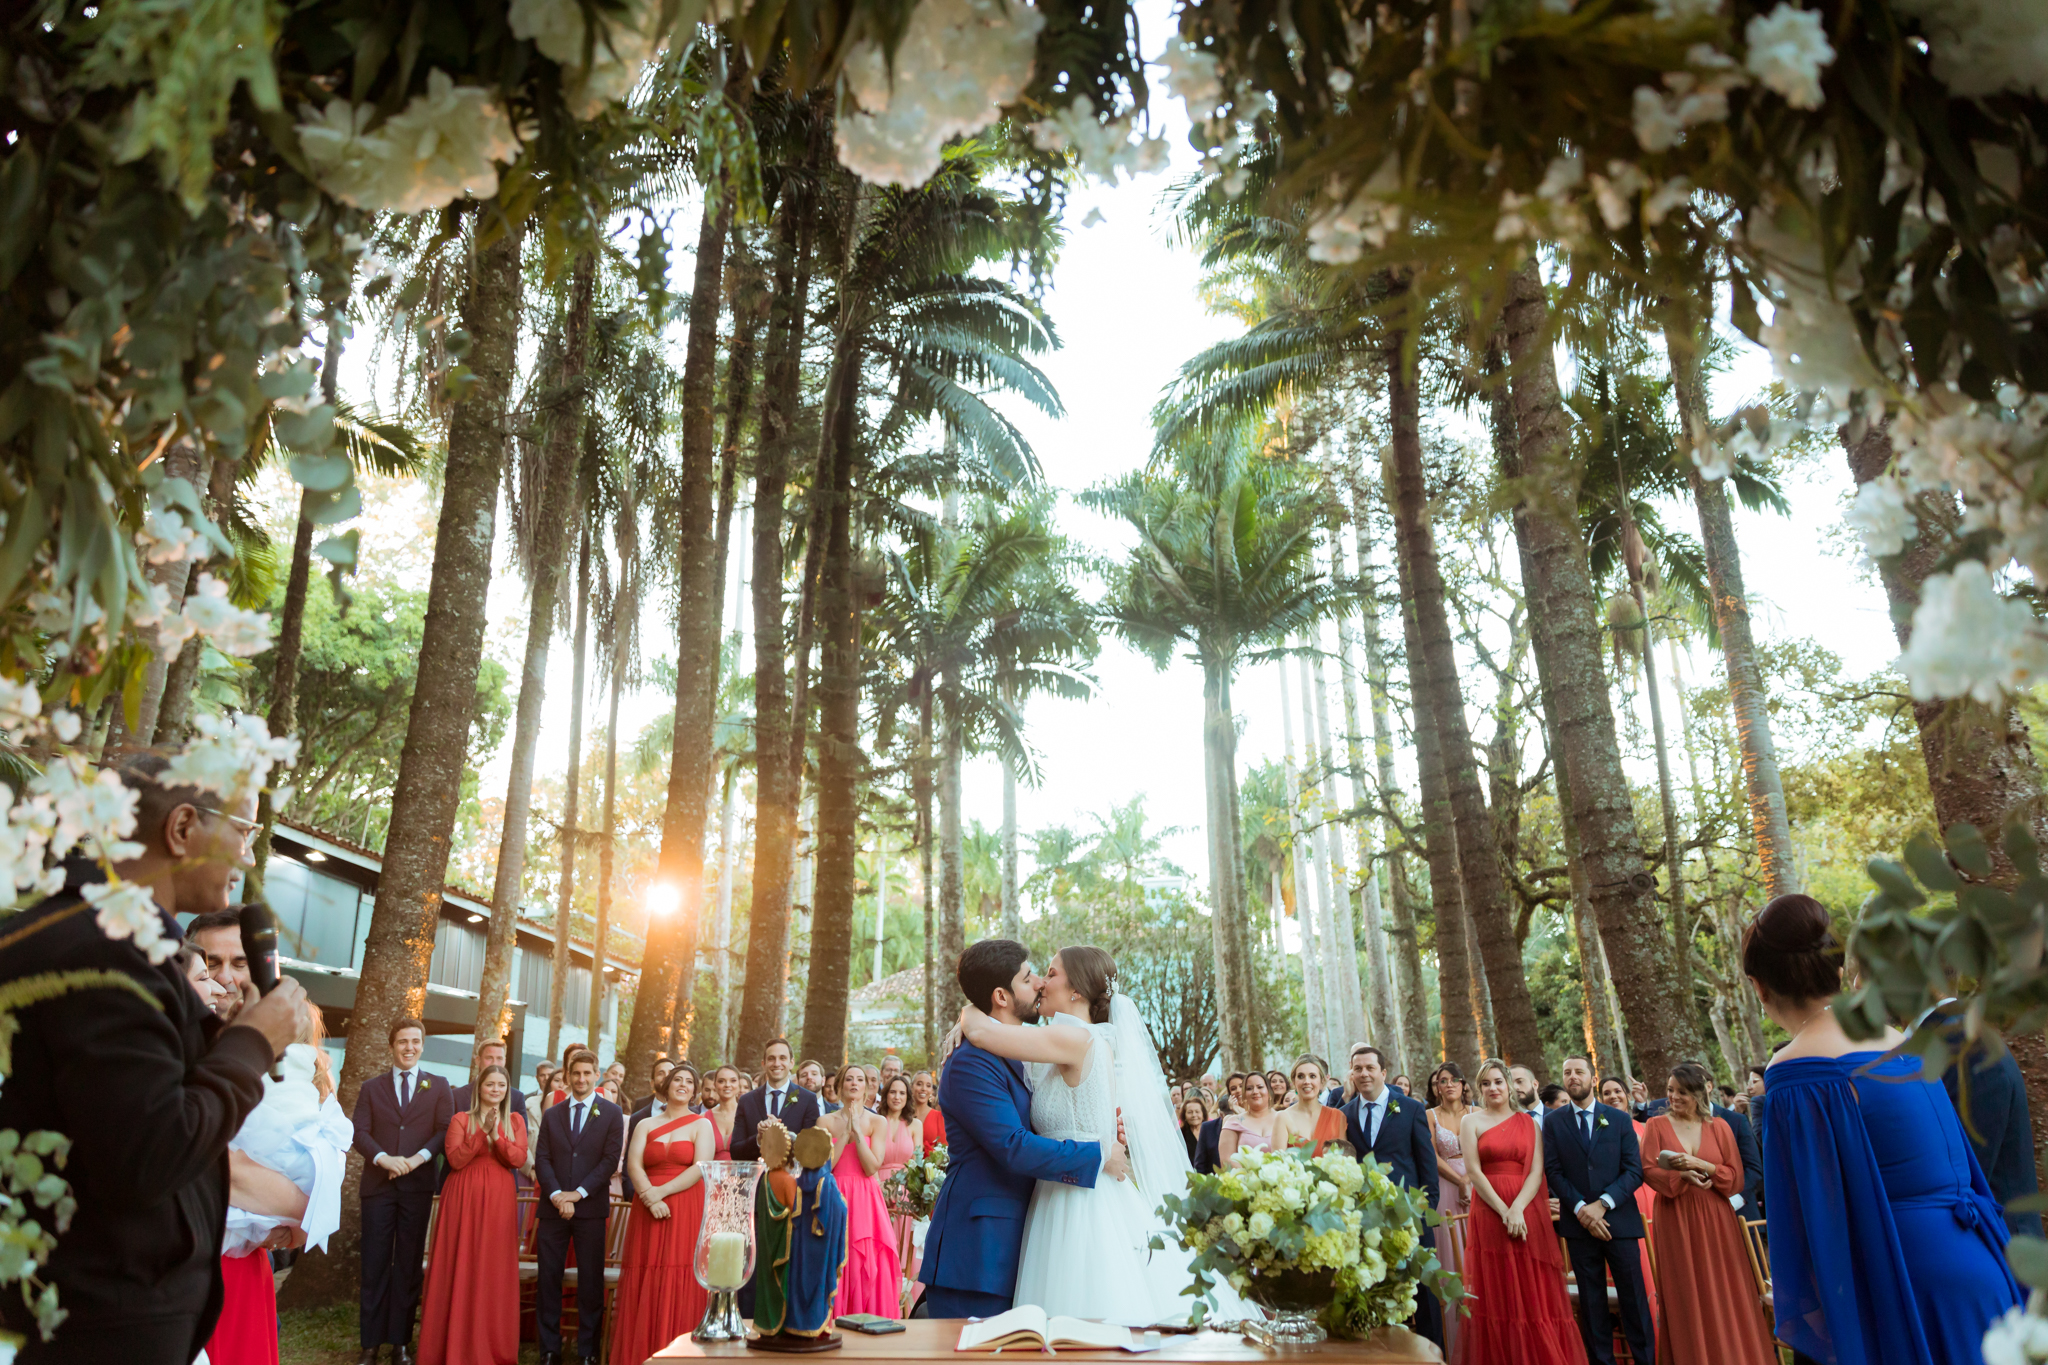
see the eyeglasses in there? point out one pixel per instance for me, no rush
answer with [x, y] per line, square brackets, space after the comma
[247, 828]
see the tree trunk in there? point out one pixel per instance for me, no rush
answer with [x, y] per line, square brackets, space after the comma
[952, 882]
[668, 975]
[174, 712]
[827, 995]
[1563, 616]
[619, 636]
[1486, 897]
[741, 273]
[1674, 862]
[1382, 1011]
[1331, 949]
[290, 648]
[714, 1052]
[1351, 993]
[1980, 759]
[922, 779]
[775, 778]
[545, 564]
[1406, 948]
[558, 979]
[392, 982]
[190, 462]
[1239, 920]
[1013, 914]
[1305, 918]
[1747, 697]
[1233, 970]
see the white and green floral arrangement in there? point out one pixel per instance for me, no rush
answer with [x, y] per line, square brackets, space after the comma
[914, 1191]
[1329, 1233]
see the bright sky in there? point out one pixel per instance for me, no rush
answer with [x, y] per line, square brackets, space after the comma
[1125, 302]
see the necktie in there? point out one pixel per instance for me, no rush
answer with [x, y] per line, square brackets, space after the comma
[1586, 1125]
[407, 1099]
[775, 1103]
[1370, 1136]
[576, 1121]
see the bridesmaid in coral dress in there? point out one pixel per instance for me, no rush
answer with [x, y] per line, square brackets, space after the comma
[659, 1298]
[471, 1312]
[873, 1279]
[1710, 1312]
[1514, 1270]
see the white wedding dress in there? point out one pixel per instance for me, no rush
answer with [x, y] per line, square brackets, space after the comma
[1085, 1252]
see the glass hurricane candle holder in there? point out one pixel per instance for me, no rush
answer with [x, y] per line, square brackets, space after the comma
[725, 1246]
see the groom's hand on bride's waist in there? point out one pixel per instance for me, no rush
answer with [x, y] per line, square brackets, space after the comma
[1116, 1162]
[1120, 1136]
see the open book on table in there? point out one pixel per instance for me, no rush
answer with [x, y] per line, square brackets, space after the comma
[1029, 1325]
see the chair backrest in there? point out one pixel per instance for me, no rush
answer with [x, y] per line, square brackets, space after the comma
[529, 1226]
[1759, 1254]
[615, 1231]
[1449, 1249]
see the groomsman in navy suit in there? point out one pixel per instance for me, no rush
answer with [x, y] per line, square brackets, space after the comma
[776, 1097]
[401, 1120]
[994, 1159]
[1594, 1167]
[580, 1142]
[1385, 1124]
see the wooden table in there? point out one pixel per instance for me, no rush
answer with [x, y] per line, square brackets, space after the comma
[933, 1340]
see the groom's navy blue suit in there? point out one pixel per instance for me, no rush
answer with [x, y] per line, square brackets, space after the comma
[1400, 1141]
[970, 1253]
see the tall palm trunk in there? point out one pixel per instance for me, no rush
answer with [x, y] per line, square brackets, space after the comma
[827, 996]
[558, 979]
[1383, 1018]
[291, 625]
[546, 559]
[952, 874]
[1747, 698]
[1674, 860]
[1312, 993]
[669, 975]
[922, 781]
[1226, 881]
[709, 1045]
[1331, 950]
[620, 638]
[775, 779]
[1656, 999]
[174, 712]
[1013, 915]
[1406, 949]
[392, 982]
[1486, 897]
[1980, 759]
[1351, 994]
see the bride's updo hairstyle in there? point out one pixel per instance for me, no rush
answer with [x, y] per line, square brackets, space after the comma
[1790, 950]
[1090, 973]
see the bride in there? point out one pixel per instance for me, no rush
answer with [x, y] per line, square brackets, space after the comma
[1086, 1251]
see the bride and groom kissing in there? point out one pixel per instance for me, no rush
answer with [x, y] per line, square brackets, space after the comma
[1060, 1144]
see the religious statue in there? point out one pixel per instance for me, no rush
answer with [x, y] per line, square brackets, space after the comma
[800, 1221]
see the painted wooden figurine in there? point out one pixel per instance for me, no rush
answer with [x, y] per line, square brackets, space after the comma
[800, 1224]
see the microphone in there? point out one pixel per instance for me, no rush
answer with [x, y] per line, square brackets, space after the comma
[259, 946]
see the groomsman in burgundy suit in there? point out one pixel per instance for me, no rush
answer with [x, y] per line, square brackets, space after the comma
[401, 1118]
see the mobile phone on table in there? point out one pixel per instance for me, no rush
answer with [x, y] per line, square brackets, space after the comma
[870, 1323]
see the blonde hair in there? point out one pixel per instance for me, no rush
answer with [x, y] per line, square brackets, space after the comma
[1492, 1064]
[476, 1099]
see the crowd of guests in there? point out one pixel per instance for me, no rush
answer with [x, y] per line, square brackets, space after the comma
[1885, 1217]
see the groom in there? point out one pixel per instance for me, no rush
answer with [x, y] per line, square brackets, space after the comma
[977, 1230]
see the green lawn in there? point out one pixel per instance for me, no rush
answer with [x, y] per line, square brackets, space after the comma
[327, 1336]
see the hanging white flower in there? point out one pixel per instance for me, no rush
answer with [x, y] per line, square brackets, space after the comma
[127, 910]
[1787, 49]
[1980, 47]
[1969, 641]
[443, 145]
[1340, 234]
[230, 756]
[959, 62]
[1102, 148]
[231, 629]
[20, 704]
[619, 52]
[2016, 1338]
[1882, 516]
[164, 537]
[1194, 77]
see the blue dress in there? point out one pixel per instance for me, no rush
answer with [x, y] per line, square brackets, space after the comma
[1886, 1246]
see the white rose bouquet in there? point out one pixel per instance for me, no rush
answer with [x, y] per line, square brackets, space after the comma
[914, 1190]
[1328, 1234]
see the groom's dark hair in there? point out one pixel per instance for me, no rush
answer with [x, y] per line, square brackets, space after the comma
[990, 966]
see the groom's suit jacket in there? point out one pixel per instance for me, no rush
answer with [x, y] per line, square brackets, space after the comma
[992, 1159]
[1611, 1166]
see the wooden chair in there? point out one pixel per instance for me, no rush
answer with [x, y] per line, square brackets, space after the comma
[1571, 1289]
[1449, 1248]
[529, 1269]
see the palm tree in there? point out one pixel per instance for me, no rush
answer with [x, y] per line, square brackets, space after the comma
[1223, 564]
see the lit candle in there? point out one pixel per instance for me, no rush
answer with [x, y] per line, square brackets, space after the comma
[725, 1263]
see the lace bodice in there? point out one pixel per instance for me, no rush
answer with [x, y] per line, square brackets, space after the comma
[1084, 1112]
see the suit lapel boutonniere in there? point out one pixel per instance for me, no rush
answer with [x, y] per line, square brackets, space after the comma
[1393, 1107]
[1600, 1122]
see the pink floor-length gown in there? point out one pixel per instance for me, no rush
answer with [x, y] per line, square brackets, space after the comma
[1450, 1199]
[896, 1153]
[873, 1280]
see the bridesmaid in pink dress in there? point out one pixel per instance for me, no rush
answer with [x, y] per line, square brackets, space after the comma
[1258, 1127]
[873, 1279]
[1454, 1186]
[900, 1142]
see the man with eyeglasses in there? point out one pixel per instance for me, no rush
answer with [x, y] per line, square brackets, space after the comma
[139, 1269]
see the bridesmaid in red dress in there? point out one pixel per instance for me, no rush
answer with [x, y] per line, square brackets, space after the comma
[471, 1311]
[659, 1297]
[1514, 1269]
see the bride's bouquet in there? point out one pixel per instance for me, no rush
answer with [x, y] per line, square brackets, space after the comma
[1329, 1236]
[913, 1192]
